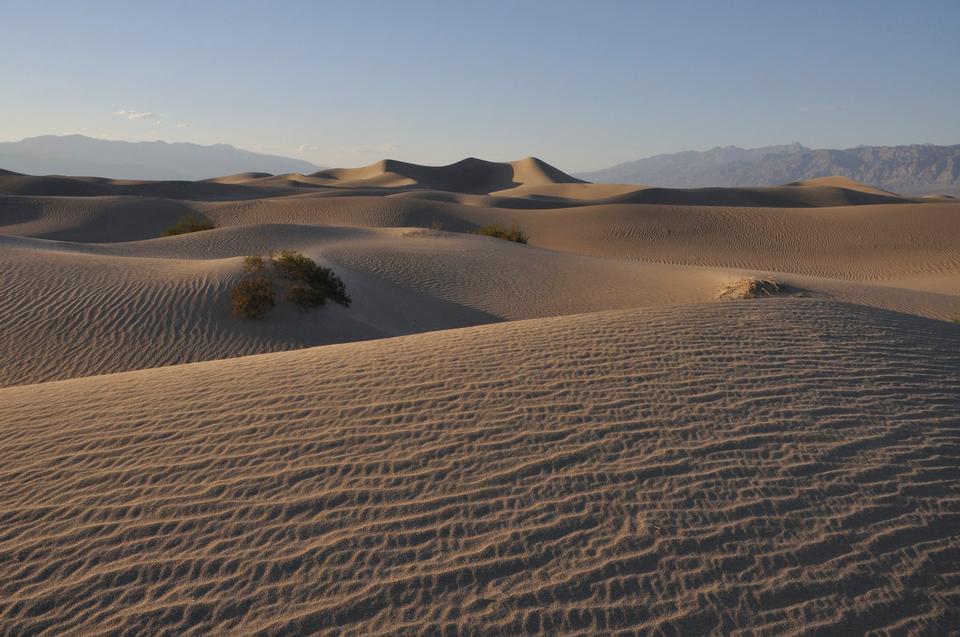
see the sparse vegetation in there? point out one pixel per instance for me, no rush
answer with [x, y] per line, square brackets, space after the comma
[750, 288]
[304, 296]
[253, 264]
[252, 297]
[513, 233]
[436, 225]
[294, 266]
[188, 225]
[305, 284]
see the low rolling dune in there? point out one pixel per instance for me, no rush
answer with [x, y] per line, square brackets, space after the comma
[785, 466]
[586, 434]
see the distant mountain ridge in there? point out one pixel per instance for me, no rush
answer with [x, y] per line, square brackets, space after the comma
[912, 169]
[87, 156]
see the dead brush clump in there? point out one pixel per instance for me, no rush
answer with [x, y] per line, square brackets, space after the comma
[750, 288]
[303, 283]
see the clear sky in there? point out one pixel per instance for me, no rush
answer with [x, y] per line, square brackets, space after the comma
[583, 85]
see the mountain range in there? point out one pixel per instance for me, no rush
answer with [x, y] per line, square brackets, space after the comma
[916, 169]
[910, 169]
[82, 155]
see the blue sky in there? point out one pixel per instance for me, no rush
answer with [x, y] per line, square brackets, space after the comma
[583, 85]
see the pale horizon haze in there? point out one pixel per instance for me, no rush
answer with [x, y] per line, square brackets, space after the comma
[581, 85]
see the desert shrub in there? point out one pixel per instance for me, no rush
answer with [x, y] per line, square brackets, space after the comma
[513, 233]
[187, 225]
[253, 264]
[334, 287]
[294, 265]
[304, 283]
[304, 296]
[252, 297]
[302, 270]
[436, 225]
[750, 288]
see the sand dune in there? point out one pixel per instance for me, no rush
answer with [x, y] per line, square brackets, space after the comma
[470, 175]
[136, 301]
[781, 466]
[866, 242]
[581, 435]
[239, 178]
[130, 305]
[838, 181]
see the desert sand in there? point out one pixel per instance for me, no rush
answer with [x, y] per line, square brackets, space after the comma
[581, 435]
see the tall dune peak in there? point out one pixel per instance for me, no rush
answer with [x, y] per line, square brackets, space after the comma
[469, 175]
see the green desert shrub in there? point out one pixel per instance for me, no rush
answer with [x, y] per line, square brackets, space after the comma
[187, 225]
[513, 233]
[304, 296]
[294, 265]
[303, 283]
[303, 271]
[252, 297]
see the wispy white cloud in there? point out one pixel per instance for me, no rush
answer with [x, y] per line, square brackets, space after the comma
[135, 115]
[307, 148]
[182, 125]
[825, 108]
[376, 149]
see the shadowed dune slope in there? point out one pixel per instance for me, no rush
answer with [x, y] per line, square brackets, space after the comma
[777, 467]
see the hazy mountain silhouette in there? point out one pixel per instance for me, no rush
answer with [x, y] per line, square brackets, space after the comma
[912, 169]
[81, 155]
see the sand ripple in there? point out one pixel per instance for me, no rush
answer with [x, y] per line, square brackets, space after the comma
[783, 466]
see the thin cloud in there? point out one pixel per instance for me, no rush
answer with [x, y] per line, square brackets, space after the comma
[307, 148]
[135, 115]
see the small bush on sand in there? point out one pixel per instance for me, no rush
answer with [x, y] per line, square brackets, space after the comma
[188, 225]
[294, 265]
[303, 282]
[750, 288]
[252, 297]
[513, 233]
[304, 296]
[253, 264]
[304, 272]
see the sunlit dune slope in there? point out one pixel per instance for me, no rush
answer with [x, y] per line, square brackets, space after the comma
[778, 466]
